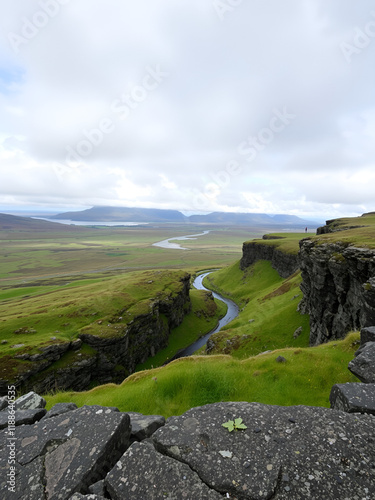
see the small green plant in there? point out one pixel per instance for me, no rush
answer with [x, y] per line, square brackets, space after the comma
[234, 425]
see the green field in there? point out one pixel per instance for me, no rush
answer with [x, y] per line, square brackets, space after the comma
[29, 256]
[58, 283]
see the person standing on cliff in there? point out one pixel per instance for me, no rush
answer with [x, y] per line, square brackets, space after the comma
[305, 229]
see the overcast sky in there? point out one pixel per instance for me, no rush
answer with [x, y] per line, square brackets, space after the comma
[197, 105]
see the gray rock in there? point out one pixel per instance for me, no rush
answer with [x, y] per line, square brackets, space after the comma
[363, 365]
[286, 452]
[353, 398]
[98, 489]
[60, 409]
[22, 417]
[280, 359]
[3, 403]
[71, 451]
[143, 473]
[367, 334]
[143, 426]
[297, 332]
[30, 401]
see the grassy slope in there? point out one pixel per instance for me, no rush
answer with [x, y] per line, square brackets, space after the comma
[268, 317]
[306, 378]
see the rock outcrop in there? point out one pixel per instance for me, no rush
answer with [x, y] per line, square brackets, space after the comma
[99, 359]
[338, 288]
[281, 452]
[285, 263]
[355, 397]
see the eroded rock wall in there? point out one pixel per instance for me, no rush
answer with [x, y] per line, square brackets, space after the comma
[338, 288]
[285, 263]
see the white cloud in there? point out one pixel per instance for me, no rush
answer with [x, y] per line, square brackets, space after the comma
[223, 79]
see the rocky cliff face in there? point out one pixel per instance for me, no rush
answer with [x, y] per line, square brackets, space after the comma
[101, 359]
[338, 288]
[284, 263]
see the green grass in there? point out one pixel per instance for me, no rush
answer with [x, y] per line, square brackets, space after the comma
[268, 310]
[359, 236]
[285, 242]
[305, 379]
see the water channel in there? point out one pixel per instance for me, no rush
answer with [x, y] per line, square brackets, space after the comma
[175, 246]
[232, 312]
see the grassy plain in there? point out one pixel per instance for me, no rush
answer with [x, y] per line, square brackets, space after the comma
[29, 255]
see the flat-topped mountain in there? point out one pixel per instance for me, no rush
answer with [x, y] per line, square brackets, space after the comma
[134, 214]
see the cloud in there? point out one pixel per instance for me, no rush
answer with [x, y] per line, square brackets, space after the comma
[147, 104]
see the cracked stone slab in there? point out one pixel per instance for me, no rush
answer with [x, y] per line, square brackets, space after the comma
[285, 452]
[353, 397]
[143, 473]
[72, 451]
[143, 426]
[22, 417]
[30, 401]
[363, 365]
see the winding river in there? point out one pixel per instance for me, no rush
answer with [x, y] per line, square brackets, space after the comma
[232, 312]
[175, 246]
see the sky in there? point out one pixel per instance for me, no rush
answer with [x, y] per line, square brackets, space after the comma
[196, 105]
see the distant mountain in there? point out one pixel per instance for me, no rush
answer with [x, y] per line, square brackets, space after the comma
[123, 214]
[131, 214]
[10, 223]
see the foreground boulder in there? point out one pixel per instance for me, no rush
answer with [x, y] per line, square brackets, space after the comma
[363, 365]
[285, 452]
[266, 451]
[64, 454]
[353, 398]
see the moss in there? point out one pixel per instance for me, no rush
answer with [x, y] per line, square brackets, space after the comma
[338, 257]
